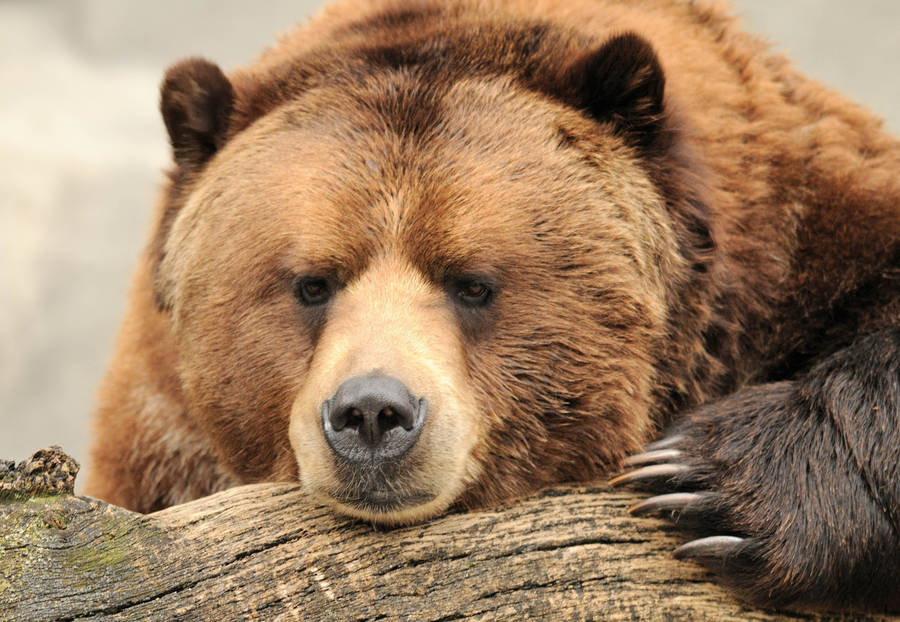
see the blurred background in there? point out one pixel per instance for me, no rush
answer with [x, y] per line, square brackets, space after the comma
[82, 149]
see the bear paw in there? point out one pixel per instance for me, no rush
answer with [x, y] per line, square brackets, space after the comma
[691, 497]
[775, 499]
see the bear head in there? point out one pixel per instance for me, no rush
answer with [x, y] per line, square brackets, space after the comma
[422, 270]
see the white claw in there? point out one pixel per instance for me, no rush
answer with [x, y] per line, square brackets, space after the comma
[648, 457]
[665, 443]
[672, 501]
[655, 471]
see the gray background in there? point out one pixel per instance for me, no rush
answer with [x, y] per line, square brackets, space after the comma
[82, 149]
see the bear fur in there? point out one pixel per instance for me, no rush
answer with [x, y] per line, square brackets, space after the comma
[569, 225]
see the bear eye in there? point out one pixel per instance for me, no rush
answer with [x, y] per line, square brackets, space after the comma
[312, 290]
[473, 292]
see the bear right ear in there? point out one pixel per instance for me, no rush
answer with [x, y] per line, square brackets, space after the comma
[621, 82]
[196, 103]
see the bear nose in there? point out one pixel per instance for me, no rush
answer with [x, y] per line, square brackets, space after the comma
[372, 417]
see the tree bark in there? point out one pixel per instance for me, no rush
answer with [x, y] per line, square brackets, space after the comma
[267, 552]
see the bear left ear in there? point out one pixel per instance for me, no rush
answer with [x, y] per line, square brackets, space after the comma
[196, 102]
[620, 82]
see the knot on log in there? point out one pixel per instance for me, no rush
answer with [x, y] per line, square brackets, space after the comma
[49, 471]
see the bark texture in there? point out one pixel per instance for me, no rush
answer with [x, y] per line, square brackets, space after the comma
[267, 552]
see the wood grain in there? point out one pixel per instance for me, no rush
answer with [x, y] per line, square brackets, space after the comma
[267, 552]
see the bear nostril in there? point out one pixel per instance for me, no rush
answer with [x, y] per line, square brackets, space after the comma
[386, 419]
[354, 418]
[341, 418]
[390, 418]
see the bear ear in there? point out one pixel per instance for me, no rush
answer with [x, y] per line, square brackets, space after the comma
[196, 102]
[620, 82]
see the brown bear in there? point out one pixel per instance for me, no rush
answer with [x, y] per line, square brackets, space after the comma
[425, 254]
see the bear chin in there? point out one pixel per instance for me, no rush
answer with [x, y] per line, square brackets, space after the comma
[389, 511]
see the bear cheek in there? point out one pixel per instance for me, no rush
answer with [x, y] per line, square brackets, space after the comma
[391, 323]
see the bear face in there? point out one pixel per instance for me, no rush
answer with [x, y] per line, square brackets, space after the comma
[391, 226]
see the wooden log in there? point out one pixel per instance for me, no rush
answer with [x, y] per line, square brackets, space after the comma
[268, 552]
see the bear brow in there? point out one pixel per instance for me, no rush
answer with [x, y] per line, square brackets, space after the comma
[411, 109]
[530, 54]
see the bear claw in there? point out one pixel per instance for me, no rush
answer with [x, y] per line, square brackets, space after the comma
[649, 473]
[709, 548]
[648, 457]
[668, 502]
[665, 443]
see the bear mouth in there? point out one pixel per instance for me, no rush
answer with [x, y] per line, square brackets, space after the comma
[378, 501]
[379, 487]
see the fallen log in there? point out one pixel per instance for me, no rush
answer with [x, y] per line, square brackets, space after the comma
[266, 552]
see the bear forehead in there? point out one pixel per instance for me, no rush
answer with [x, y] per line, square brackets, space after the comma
[473, 175]
[438, 43]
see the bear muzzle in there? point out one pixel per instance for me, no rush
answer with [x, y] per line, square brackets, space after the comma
[370, 424]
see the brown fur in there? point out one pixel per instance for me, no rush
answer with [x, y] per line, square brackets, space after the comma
[648, 261]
